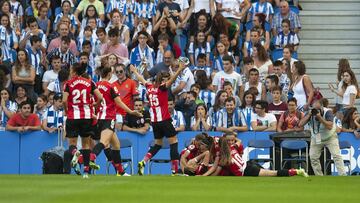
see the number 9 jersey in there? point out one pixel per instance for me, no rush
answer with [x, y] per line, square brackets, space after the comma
[79, 104]
[158, 99]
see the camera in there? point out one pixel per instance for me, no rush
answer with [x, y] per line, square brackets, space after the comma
[314, 112]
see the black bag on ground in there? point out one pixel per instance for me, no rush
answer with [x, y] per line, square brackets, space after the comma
[53, 161]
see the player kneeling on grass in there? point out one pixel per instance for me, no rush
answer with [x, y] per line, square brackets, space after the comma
[231, 160]
[106, 115]
[195, 158]
[160, 116]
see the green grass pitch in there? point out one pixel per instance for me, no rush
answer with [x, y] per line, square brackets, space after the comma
[158, 189]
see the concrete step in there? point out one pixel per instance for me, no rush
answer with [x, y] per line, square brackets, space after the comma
[327, 1]
[330, 17]
[330, 63]
[310, 69]
[322, 56]
[330, 6]
[330, 34]
[329, 49]
[330, 42]
[346, 27]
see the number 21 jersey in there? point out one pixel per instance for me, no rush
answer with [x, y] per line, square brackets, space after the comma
[158, 99]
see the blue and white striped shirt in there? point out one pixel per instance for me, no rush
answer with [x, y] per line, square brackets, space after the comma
[208, 97]
[35, 60]
[265, 8]
[177, 119]
[284, 39]
[11, 106]
[115, 4]
[73, 21]
[5, 48]
[196, 50]
[129, 17]
[238, 119]
[145, 10]
[136, 56]
[54, 118]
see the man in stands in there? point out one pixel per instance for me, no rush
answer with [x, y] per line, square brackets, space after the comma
[285, 13]
[24, 120]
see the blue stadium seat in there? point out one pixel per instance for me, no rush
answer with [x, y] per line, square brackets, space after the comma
[299, 145]
[57, 11]
[263, 144]
[343, 145]
[124, 144]
[165, 145]
[188, 142]
[276, 54]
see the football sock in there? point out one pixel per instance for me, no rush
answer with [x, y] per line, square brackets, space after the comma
[107, 153]
[86, 155]
[117, 161]
[153, 150]
[98, 148]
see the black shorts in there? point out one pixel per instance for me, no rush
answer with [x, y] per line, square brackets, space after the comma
[252, 169]
[163, 129]
[106, 124]
[82, 127]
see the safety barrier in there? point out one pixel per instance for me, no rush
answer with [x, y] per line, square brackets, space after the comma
[20, 153]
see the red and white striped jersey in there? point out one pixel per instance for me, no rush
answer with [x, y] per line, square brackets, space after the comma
[158, 99]
[238, 164]
[79, 103]
[193, 152]
[107, 109]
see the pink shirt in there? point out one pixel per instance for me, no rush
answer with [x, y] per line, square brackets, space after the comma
[118, 49]
[55, 43]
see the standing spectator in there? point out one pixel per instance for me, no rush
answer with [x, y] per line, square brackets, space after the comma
[177, 117]
[288, 51]
[286, 36]
[91, 12]
[230, 9]
[57, 85]
[201, 121]
[37, 61]
[66, 11]
[136, 124]
[126, 88]
[114, 4]
[290, 119]
[263, 121]
[200, 6]
[349, 90]
[277, 107]
[202, 24]
[262, 6]
[63, 29]
[187, 106]
[54, 117]
[285, 13]
[9, 41]
[163, 26]
[24, 120]
[8, 108]
[324, 127]
[84, 4]
[249, 44]
[221, 25]
[23, 73]
[262, 62]
[122, 29]
[17, 10]
[231, 119]
[113, 46]
[228, 74]
[142, 54]
[302, 86]
[40, 106]
[51, 75]
[67, 57]
[43, 20]
[247, 107]
[254, 82]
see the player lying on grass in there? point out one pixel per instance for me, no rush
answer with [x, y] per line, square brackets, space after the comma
[194, 159]
[160, 116]
[232, 162]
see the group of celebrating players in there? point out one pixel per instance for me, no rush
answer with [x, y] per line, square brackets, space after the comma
[90, 110]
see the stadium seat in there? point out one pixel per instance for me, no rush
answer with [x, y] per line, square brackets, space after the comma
[57, 11]
[165, 145]
[276, 54]
[294, 145]
[188, 142]
[347, 162]
[125, 143]
[263, 144]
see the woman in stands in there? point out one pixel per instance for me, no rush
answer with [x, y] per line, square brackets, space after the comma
[262, 62]
[77, 99]
[8, 108]
[160, 116]
[106, 115]
[194, 159]
[200, 121]
[220, 98]
[247, 107]
[259, 23]
[231, 160]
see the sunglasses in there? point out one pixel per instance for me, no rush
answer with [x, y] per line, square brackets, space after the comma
[119, 71]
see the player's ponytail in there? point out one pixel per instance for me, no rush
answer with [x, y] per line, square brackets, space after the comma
[225, 157]
[104, 71]
[79, 68]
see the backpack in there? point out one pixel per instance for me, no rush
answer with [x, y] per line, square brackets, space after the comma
[52, 163]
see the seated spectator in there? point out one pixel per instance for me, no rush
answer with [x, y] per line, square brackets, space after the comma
[205, 93]
[63, 30]
[66, 11]
[286, 36]
[196, 88]
[249, 45]
[277, 106]
[290, 119]
[262, 62]
[87, 36]
[8, 108]
[262, 6]
[57, 85]
[220, 52]
[248, 65]
[183, 82]
[32, 29]
[92, 12]
[113, 46]
[51, 75]
[199, 46]
[229, 90]
[187, 106]
[23, 73]
[259, 23]
[288, 50]
[143, 26]
[67, 57]
[201, 121]
[50, 99]
[255, 83]
[271, 82]
[201, 65]
[263, 121]
[163, 66]
[348, 123]
[231, 119]
[228, 74]
[285, 13]
[91, 37]
[164, 45]
[136, 124]
[101, 40]
[91, 72]
[21, 95]
[84, 5]
[142, 54]
[116, 23]
[24, 120]
[43, 20]
[220, 98]
[177, 117]
[40, 106]
[53, 118]
[247, 107]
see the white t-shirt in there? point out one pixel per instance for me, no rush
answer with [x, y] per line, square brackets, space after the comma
[346, 97]
[233, 4]
[186, 77]
[221, 77]
[263, 70]
[201, 4]
[184, 4]
[49, 76]
[263, 121]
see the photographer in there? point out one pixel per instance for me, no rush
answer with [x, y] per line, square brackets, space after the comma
[324, 127]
